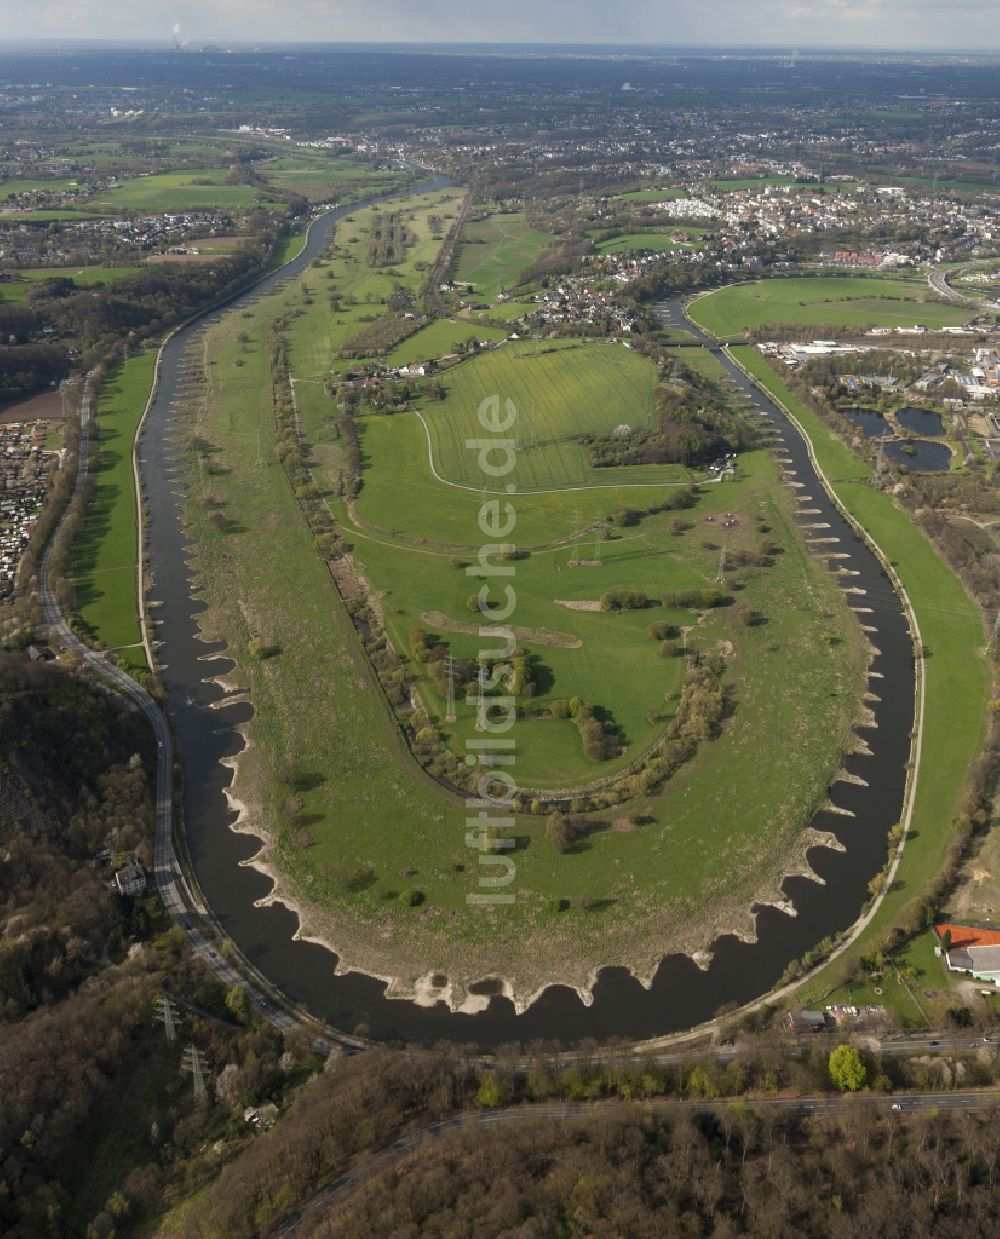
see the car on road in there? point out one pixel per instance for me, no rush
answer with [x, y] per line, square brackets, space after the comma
[895, 1106]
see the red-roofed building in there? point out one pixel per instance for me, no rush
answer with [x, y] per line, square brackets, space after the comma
[971, 949]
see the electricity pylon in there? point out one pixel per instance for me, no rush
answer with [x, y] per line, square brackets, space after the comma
[166, 1014]
[193, 1062]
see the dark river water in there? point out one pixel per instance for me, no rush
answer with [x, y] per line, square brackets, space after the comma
[681, 994]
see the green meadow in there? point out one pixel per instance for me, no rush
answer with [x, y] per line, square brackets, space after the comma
[652, 195]
[444, 335]
[850, 301]
[493, 252]
[16, 289]
[105, 552]
[559, 392]
[322, 177]
[177, 191]
[660, 242]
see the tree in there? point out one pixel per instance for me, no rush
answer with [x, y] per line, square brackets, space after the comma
[558, 832]
[847, 1069]
[237, 1002]
[492, 1091]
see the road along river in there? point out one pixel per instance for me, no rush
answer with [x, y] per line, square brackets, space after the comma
[682, 994]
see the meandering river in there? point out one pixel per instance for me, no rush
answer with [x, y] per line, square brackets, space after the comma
[681, 994]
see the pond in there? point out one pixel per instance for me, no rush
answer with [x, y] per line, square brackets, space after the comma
[919, 456]
[921, 421]
[869, 421]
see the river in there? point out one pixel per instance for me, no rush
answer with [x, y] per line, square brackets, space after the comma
[681, 994]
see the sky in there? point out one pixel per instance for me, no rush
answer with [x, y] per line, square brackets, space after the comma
[971, 24]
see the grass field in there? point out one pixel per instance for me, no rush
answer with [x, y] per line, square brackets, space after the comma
[82, 277]
[657, 241]
[288, 247]
[321, 177]
[440, 337]
[364, 290]
[751, 182]
[652, 195]
[851, 301]
[559, 392]
[58, 185]
[177, 191]
[104, 555]
[493, 252]
[956, 670]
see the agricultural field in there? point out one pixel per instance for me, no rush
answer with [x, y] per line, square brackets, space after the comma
[321, 177]
[178, 191]
[652, 195]
[850, 301]
[16, 289]
[493, 252]
[660, 242]
[439, 338]
[561, 390]
[751, 182]
[20, 186]
[105, 553]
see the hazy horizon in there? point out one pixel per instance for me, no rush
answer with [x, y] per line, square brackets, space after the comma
[971, 26]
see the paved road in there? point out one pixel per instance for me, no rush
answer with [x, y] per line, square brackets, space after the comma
[323, 1200]
[938, 281]
[179, 900]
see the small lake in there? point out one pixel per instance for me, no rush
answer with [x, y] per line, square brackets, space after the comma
[869, 421]
[921, 421]
[920, 457]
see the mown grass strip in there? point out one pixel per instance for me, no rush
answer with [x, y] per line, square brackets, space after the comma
[106, 552]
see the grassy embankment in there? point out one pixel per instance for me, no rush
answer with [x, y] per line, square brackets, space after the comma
[105, 553]
[956, 671]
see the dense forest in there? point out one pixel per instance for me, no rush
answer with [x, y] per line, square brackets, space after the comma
[656, 1167]
[97, 1119]
[689, 1172]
